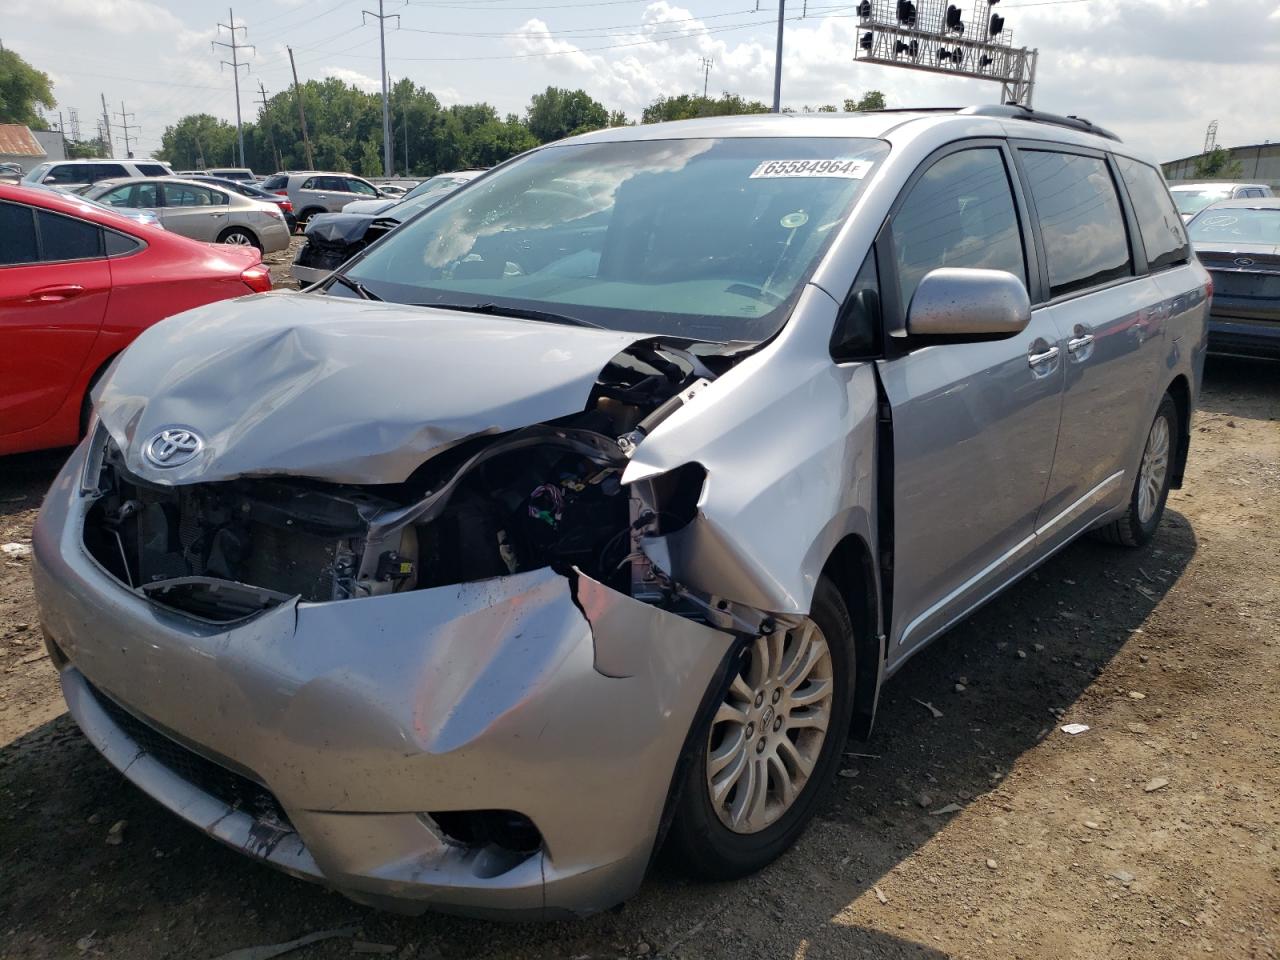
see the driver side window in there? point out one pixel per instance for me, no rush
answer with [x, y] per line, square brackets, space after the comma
[959, 214]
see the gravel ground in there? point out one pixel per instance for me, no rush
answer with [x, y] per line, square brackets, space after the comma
[1156, 834]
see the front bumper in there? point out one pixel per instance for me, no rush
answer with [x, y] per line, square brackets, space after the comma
[307, 275]
[361, 718]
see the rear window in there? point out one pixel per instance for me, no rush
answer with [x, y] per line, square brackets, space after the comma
[1080, 220]
[1237, 225]
[276, 181]
[66, 238]
[1191, 202]
[1158, 220]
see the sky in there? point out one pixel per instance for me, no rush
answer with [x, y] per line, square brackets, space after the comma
[1154, 71]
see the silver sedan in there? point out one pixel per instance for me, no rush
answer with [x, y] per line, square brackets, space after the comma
[200, 211]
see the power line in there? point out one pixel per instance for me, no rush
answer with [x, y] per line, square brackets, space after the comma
[706, 63]
[235, 47]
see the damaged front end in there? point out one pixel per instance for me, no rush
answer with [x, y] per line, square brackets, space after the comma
[463, 689]
[544, 495]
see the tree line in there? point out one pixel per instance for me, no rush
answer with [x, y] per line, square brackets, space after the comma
[344, 125]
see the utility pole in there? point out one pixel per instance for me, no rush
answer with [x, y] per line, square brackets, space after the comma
[271, 137]
[405, 115]
[386, 103]
[302, 117]
[125, 126]
[235, 47]
[777, 61]
[75, 124]
[707, 64]
[106, 126]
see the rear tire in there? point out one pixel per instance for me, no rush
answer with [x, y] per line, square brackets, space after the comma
[240, 237]
[305, 216]
[722, 832]
[1151, 485]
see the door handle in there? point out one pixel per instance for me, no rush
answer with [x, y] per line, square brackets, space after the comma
[1079, 343]
[56, 293]
[1035, 359]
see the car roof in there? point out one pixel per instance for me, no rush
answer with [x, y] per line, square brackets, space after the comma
[977, 121]
[1247, 203]
[1215, 184]
[69, 203]
[108, 160]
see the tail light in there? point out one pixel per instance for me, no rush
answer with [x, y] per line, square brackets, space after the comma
[1208, 288]
[257, 278]
[281, 193]
[286, 206]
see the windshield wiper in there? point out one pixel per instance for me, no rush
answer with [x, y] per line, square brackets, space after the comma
[355, 285]
[519, 313]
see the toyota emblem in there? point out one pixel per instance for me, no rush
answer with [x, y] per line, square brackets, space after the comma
[1243, 262]
[172, 447]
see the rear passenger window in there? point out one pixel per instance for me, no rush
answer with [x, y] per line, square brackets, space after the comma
[1158, 219]
[119, 244]
[959, 214]
[151, 170]
[1080, 220]
[65, 238]
[108, 171]
[18, 228]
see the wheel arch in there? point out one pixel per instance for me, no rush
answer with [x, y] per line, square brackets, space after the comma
[240, 228]
[1180, 390]
[86, 408]
[851, 567]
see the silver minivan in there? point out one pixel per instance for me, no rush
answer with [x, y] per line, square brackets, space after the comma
[589, 510]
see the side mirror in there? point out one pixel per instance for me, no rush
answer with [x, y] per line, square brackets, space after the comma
[962, 303]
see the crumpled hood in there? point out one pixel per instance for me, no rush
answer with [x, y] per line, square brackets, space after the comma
[338, 227]
[343, 390]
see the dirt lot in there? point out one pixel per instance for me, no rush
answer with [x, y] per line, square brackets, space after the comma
[1062, 846]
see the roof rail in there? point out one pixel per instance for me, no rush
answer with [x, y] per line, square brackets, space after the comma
[1015, 111]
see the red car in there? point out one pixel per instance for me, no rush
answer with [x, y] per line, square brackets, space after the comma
[77, 284]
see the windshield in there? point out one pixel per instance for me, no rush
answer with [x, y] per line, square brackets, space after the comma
[409, 205]
[706, 239]
[430, 185]
[1237, 225]
[1193, 201]
[36, 173]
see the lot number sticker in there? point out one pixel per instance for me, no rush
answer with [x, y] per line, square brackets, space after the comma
[844, 169]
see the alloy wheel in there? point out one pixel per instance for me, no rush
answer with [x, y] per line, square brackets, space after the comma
[767, 735]
[237, 239]
[1155, 466]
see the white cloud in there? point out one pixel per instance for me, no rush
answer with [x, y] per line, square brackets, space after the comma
[354, 77]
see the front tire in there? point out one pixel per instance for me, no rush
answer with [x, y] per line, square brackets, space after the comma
[768, 752]
[1151, 486]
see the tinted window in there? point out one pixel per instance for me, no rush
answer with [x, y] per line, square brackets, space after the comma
[106, 171]
[65, 238]
[151, 170]
[1158, 221]
[1080, 219]
[276, 182]
[146, 195]
[19, 231]
[69, 173]
[959, 214]
[119, 244]
[311, 183]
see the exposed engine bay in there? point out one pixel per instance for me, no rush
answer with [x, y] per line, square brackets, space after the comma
[489, 506]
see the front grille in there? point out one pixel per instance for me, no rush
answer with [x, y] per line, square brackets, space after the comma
[233, 789]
